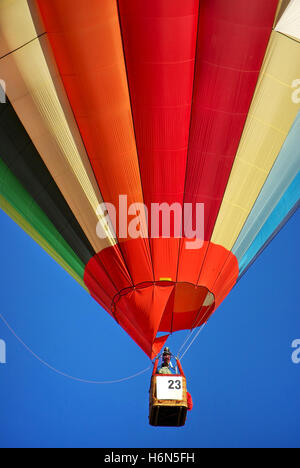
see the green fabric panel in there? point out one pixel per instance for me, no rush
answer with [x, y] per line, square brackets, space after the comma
[21, 157]
[24, 204]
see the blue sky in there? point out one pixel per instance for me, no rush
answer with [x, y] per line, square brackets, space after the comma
[240, 373]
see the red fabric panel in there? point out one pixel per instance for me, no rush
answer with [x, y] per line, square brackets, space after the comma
[191, 262]
[165, 258]
[159, 39]
[158, 344]
[109, 273]
[232, 40]
[140, 269]
[139, 313]
[104, 277]
[189, 401]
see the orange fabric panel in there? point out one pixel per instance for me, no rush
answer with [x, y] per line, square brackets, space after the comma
[214, 261]
[226, 279]
[186, 308]
[191, 319]
[188, 295]
[88, 49]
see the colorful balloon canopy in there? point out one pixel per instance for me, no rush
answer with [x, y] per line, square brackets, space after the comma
[161, 101]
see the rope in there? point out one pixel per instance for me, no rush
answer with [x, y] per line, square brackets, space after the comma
[197, 334]
[189, 335]
[63, 374]
[191, 332]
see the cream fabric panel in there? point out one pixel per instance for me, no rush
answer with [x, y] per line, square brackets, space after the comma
[16, 27]
[289, 23]
[270, 118]
[282, 5]
[39, 99]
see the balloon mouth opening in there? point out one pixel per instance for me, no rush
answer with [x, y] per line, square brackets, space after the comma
[188, 305]
[146, 308]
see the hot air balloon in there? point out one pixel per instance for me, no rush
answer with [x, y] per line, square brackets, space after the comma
[112, 107]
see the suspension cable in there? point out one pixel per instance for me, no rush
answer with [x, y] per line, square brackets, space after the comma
[191, 332]
[63, 374]
[197, 334]
[188, 337]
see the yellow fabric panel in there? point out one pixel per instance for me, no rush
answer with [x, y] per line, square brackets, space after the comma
[12, 213]
[39, 99]
[270, 118]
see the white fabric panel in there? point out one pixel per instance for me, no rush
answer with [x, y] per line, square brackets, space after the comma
[289, 23]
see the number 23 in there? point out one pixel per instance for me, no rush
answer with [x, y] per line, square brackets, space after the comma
[177, 384]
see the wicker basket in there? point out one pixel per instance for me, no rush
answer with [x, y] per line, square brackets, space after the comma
[165, 412]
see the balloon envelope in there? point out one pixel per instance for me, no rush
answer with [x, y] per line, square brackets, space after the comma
[122, 106]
